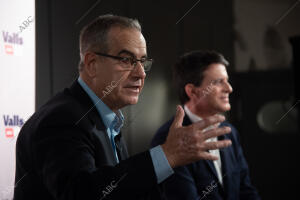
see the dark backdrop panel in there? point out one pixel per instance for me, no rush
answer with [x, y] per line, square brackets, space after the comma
[272, 156]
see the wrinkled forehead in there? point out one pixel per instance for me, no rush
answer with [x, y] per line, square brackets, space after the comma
[128, 39]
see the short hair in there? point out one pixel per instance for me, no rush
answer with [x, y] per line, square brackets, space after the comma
[94, 35]
[190, 68]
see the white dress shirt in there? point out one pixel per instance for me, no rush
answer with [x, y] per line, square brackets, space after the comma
[217, 163]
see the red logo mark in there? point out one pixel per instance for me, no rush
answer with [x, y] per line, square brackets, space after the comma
[9, 132]
[9, 49]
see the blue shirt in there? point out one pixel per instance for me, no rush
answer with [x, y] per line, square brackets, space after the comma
[114, 122]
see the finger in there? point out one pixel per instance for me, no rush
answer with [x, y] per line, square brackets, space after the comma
[208, 122]
[178, 119]
[216, 132]
[208, 156]
[217, 145]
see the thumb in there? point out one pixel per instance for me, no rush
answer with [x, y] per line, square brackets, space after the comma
[178, 119]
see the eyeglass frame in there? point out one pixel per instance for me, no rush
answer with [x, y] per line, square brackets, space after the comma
[133, 61]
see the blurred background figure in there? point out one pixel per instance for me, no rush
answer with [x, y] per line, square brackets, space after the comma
[203, 88]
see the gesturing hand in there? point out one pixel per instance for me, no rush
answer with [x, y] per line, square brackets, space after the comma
[187, 144]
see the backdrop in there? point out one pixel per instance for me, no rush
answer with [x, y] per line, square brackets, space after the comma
[17, 81]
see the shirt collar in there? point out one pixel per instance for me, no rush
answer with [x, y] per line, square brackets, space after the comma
[110, 119]
[195, 118]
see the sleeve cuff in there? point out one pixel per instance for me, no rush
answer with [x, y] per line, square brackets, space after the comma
[161, 165]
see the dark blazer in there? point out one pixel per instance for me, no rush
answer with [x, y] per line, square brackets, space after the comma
[63, 152]
[199, 180]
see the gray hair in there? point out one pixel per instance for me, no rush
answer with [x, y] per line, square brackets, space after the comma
[93, 36]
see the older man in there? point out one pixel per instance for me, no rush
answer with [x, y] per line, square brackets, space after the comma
[72, 148]
[203, 88]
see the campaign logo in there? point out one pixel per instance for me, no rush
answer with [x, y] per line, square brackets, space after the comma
[10, 123]
[9, 132]
[11, 41]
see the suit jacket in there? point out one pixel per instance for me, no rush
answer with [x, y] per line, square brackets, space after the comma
[63, 152]
[199, 180]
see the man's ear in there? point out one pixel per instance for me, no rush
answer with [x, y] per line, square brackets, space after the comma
[90, 64]
[190, 90]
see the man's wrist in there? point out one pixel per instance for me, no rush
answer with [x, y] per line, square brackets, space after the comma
[168, 155]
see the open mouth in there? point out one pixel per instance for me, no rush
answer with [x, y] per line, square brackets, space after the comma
[135, 89]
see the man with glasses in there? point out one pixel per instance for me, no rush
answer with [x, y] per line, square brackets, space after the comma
[72, 148]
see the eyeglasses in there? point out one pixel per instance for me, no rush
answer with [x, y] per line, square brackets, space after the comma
[130, 62]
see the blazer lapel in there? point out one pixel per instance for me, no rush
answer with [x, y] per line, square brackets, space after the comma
[227, 155]
[224, 153]
[107, 147]
[102, 134]
[210, 165]
[121, 147]
[212, 168]
[93, 115]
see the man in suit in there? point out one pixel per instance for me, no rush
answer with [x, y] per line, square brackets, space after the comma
[203, 88]
[72, 147]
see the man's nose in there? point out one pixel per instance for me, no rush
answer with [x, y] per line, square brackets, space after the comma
[228, 87]
[139, 71]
